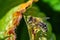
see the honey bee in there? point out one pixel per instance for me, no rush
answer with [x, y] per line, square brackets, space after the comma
[37, 22]
[36, 25]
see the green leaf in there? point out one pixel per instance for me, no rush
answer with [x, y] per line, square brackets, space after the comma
[6, 5]
[49, 27]
[34, 11]
[53, 37]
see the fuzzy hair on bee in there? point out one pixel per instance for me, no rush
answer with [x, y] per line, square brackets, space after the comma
[36, 25]
[37, 22]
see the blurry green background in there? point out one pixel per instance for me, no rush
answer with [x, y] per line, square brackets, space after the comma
[6, 5]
